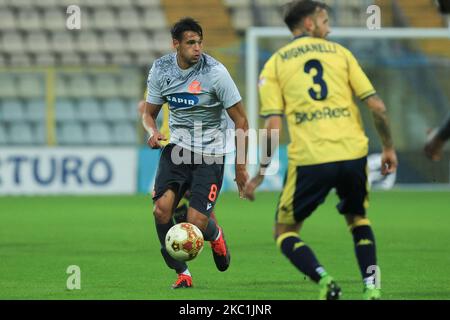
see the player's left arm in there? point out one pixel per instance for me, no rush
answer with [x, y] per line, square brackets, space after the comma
[237, 114]
[389, 160]
[272, 127]
[363, 89]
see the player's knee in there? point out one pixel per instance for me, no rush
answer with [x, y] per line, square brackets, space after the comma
[161, 213]
[200, 220]
[354, 221]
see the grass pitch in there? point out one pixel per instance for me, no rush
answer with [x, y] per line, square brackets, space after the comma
[113, 241]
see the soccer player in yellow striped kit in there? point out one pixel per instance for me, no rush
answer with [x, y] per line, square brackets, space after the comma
[311, 82]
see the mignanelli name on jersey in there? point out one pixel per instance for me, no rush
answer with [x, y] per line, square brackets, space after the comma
[298, 51]
[325, 113]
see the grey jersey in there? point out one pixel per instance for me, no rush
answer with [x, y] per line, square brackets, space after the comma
[197, 99]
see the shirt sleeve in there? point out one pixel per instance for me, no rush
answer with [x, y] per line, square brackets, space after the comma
[270, 94]
[225, 88]
[360, 83]
[153, 88]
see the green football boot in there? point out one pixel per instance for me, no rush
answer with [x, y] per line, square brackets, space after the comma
[371, 293]
[329, 290]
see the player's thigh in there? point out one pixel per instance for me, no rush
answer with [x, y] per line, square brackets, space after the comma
[170, 176]
[205, 187]
[304, 189]
[353, 187]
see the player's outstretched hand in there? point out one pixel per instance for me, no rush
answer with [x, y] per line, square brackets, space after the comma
[155, 138]
[251, 186]
[241, 179]
[433, 146]
[389, 161]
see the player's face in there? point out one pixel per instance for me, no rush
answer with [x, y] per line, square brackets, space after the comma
[321, 24]
[189, 49]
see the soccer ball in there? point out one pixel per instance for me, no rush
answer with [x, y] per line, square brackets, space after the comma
[184, 241]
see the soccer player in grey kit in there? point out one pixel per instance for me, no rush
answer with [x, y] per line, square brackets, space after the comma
[199, 90]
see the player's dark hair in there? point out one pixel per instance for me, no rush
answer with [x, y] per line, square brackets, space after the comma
[296, 11]
[185, 24]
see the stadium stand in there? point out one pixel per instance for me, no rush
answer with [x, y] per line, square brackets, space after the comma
[88, 87]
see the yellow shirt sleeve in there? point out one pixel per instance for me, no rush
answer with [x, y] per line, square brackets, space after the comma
[271, 97]
[360, 83]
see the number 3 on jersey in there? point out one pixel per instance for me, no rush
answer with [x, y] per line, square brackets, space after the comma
[317, 79]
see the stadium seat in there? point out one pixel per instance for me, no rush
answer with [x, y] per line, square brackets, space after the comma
[129, 19]
[35, 110]
[105, 85]
[20, 134]
[45, 4]
[62, 42]
[154, 19]
[70, 133]
[20, 60]
[139, 41]
[45, 59]
[87, 42]
[31, 85]
[12, 42]
[96, 59]
[80, 85]
[37, 42]
[112, 41]
[54, 19]
[89, 110]
[131, 108]
[98, 133]
[8, 85]
[7, 20]
[124, 133]
[162, 41]
[130, 85]
[29, 20]
[148, 4]
[114, 109]
[97, 3]
[61, 86]
[120, 4]
[71, 59]
[65, 110]
[104, 19]
[122, 59]
[13, 110]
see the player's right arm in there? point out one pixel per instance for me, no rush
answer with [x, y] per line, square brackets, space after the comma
[149, 116]
[152, 108]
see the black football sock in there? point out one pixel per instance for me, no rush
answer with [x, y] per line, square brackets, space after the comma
[365, 252]
[301, 256]
[211, 232]
[162, 229]
[180, 214]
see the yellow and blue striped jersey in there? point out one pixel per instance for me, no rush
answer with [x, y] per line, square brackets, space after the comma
[312, 81]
